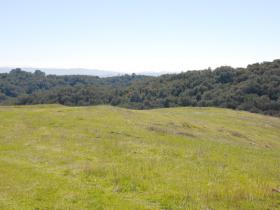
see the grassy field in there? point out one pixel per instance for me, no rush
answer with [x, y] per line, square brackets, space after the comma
[56, 157]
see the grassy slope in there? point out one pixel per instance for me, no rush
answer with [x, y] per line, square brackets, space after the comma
[55, 157]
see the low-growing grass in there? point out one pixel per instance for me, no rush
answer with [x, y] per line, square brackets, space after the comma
[56, 157]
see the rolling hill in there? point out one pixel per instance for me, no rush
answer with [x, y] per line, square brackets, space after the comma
[103, 157]
[255, 88]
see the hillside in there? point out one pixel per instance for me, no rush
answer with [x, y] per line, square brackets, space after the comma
[103, 157]
[255, 88]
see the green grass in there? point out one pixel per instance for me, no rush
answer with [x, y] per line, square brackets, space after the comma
[56, 157]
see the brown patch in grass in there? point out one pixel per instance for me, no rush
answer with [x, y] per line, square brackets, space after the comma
[170, 131]
[182, 133]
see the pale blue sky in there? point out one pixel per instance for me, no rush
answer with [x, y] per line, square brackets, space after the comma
[135, 36]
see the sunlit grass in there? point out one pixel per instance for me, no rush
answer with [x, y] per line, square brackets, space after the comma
[56, 157]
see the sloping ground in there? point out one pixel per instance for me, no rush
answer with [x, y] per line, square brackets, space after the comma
[56, 157]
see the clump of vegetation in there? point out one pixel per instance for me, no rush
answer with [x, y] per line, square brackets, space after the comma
[255, 89]
[103, 157]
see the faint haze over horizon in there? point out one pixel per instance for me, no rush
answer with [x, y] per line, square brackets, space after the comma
[138, 36]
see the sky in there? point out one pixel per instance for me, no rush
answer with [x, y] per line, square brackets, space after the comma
[138, 35]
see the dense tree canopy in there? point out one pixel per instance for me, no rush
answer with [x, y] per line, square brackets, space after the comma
[255, 88]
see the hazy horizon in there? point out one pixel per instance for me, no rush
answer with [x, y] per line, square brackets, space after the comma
[147, 36]
[82, 71]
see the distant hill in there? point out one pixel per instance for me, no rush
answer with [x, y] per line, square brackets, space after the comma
[255, 88]
[81, 71]
[103, 157]
[69, 71]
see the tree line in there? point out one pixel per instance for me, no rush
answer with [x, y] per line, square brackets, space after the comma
[255, 88]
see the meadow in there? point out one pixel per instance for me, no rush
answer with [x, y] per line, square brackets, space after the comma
[103, 157]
